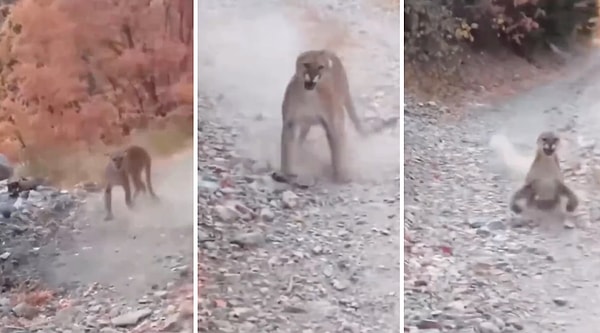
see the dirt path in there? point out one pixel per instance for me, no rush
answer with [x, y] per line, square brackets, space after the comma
[139, 249]
[482, 268]
[132, 274]
[279, 259]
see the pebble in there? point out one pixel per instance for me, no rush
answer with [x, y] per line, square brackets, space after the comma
[131, 318]
[560, 301]
[488, 327]
[249, 239]
[25, 310]
[339, 285]
[172, 323]
[289, 199]
[226, 213]
[267, 214]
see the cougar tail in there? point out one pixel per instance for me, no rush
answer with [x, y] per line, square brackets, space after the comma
[358, 125]
[516, 163]
[148, 169]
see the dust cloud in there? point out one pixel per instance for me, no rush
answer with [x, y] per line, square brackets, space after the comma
[140, 248]
[247, 57]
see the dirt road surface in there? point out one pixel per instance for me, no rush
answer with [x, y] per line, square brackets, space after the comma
[139, 248]
[280, 259]
[474, 267]
[117, 275]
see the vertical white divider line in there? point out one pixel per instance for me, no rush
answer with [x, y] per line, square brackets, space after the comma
[195, 175]
[401, 138]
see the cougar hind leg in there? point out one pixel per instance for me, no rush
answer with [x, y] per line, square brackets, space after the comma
[138, 184]
[149, 180]
[336, 139]
[108, 203]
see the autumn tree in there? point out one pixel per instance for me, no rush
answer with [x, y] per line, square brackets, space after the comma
[75, 73]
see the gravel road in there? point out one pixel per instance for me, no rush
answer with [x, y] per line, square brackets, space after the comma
[275, 258]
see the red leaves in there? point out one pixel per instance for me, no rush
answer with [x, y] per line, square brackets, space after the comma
[85, 68]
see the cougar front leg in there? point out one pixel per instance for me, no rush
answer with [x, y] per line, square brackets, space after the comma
[287, 143]
[572, 200]
[336, 139]
[108, 203]
[127, 189]
[525, 192]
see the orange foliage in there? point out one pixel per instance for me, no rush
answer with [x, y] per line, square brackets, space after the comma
[76, 73]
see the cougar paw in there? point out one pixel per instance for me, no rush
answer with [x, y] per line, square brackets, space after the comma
[516, 208]
[108, 217]
[280, 177]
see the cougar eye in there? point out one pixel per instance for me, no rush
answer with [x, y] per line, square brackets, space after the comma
[321, 67]
[306, 65]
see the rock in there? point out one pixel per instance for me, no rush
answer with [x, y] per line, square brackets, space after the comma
[317, 250]
[19, 203]
[428, 324]
[35, 196]
[172, 324]
[496, 225]
[240, 312]
[289, 199]
[226, 213]
[108, 330]
[294, 309]
[4, 255]
[304, 182]
[207, 186]
[131, 318]
[266, 214]
[483, 232]
[515, 324]
[560, 301]
[25, 310]
[488, 327]
[248, 239]
[6, 209]
[339, 285]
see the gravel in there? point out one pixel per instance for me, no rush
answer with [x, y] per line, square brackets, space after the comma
[309, 257]
[474, 267]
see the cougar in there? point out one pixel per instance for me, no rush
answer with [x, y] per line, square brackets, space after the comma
[544, 183]
[122, 165]
[317, 94]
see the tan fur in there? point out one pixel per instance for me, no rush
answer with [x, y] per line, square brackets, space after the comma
[544, 183]
[317, 94]
[125, 164]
